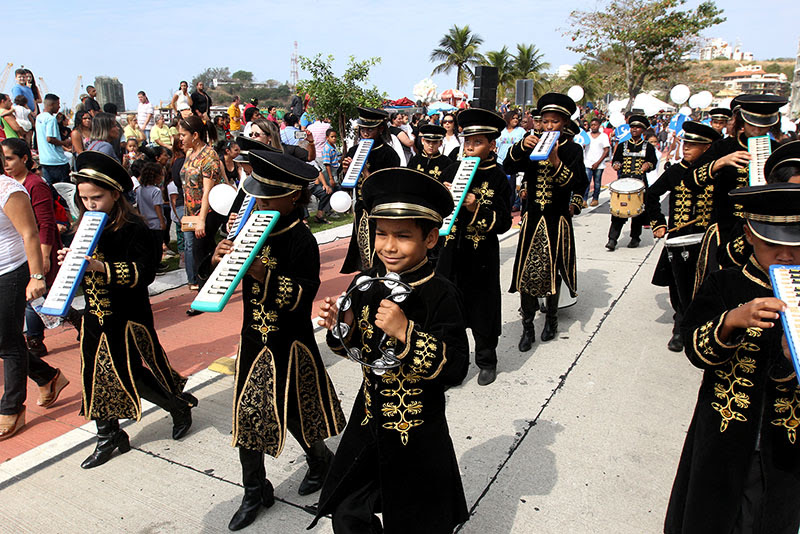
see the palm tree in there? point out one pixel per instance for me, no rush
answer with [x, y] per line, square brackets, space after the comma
[459, 49]
[585, 75]
[528, 64]
[502, 60]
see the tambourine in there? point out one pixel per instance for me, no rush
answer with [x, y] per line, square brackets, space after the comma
[398, 292]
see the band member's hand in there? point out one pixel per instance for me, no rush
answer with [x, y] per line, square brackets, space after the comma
[257, 270]
[328, 312]
[785, 346]
[735, 159]
[529, 142]
[470, 202]
[758, 313]
[391, 319]
[95, 265]
[231, 221]
[523, 193]
[61, 254]
[346, 164]
[658, 233]
[647, 166]
[200, 230]
[35, 289]
[617, 166]
[224, 247]
[448, 185]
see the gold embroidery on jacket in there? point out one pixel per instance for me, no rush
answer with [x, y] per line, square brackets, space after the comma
[285, 291]
[364, 245]
[256, 418]
[109, 398]
[95, 291]
[725, 390]
[790, 408]
[536, 270]
[261, 320]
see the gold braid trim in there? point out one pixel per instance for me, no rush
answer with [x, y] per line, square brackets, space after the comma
[790, 407]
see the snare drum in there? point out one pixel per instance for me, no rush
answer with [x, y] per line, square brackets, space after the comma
[682, 253]
[684, 240]
[565, 300]
[627, 197]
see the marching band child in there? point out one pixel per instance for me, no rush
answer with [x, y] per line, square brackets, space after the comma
[470, 254]
[430, 160]
[739, 469]
[122, 360]
[396, 455]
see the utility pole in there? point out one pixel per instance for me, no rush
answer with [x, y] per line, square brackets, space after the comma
[294, 75]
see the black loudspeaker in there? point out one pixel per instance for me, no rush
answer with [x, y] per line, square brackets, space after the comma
[485, 88]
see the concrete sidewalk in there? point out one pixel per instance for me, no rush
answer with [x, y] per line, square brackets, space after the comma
[582, 434]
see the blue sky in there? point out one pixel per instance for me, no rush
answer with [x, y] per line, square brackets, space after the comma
[153, 45]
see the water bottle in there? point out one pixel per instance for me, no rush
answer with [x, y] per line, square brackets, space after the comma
[50, 321]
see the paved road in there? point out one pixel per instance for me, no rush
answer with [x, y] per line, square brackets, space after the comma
[581, 434]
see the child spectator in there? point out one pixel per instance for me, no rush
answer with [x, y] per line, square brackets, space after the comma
[148, 200]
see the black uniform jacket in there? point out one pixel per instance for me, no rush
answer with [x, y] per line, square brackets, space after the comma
[433, 166]
[546, 246]
[470, 255]
[689, 212]
[631, 155]
[749, 402]
[362, 240]
[119, 344]
[279, 370]
[397, 434]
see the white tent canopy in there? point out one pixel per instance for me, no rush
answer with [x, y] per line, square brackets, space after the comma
[648, 103]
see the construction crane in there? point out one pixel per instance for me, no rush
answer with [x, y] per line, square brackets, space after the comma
[44, 85]
[4, 77]
[76, 92]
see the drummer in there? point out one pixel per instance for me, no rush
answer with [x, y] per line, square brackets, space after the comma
[632, 159]
[689, 216]
[719, 119]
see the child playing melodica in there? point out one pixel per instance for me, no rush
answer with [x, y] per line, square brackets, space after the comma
[740, 466]
[396, 455]
[122, 360]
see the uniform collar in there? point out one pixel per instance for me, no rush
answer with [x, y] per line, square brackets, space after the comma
[489, 162]
[636, 143]
[753, 271]
[415, 276]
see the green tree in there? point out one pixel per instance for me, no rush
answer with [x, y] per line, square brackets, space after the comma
[528, 64]
[502, 60]
[336, 98]
[222, 74]
[458, 49]
[585, 75]
[242, 76]
[652, 38]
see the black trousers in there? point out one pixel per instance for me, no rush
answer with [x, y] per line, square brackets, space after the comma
[485, 350]
[636, 226]
[683, 262]
[18, 363]
[355, 513]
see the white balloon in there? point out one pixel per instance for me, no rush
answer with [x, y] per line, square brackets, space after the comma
[685, 110]
[704, 99]
[616, 119]
[680, 94]
[576, 114]
[615, 106]
[341, 201]
[575, 93]
[694, 101]
[221, 198]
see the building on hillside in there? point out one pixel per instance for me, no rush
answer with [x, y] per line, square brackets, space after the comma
[110, 90]
[717, 48]
[752, 79]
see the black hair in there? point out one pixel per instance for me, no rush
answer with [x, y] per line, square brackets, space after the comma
[248, 114]
[20, 149]
[777, 176]
[110, 107]
[136, 167]
[142, 93]
[222, 146]
[194, 124]
[329, 131]
[20, 100]
[270, 108]
[290, 119]
[596, 119]
[153, 152]
[3, 97]
[50, 97]
[426, 225]
[20, 71]
[151, 174]
[89, 87]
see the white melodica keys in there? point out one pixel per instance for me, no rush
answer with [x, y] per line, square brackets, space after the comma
[786, 286]
[759, 148]
[248, 205]
[218, 289]
[459, 188]
[70, 274]
[545, 145]
[357, 165]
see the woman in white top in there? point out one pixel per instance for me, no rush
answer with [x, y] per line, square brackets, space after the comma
[19, 239]
[182, 96]
[451, 143]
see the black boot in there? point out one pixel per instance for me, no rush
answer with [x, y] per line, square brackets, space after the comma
[319, 459]
[179, 406]
[258, 490]
[528, 310]
[551, 318]
[676, 341]
[109, 437]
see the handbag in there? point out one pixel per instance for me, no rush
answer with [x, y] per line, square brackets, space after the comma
[189, 223]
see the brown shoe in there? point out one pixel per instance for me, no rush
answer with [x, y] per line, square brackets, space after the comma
[10, 424]
[36, 346]
[594, 202]
[48, 394]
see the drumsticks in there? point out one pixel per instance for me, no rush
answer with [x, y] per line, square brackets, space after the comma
[684, 225]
